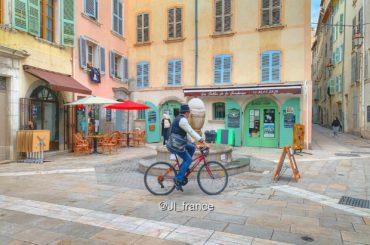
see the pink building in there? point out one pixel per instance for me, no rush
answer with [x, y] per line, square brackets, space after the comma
[100, 57]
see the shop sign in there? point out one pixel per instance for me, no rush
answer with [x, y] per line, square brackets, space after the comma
[233, 118]
[289, 120]
[269, 123]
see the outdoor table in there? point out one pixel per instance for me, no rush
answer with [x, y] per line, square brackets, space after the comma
[95, 139]
[128, 134]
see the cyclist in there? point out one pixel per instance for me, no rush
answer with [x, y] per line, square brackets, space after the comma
[178, 143]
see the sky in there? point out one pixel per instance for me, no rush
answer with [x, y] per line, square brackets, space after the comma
[315, 11]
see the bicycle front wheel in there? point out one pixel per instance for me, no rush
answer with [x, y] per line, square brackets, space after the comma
[212, 178]
[158, 178]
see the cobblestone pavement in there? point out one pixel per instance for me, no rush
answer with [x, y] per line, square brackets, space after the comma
[102, 200]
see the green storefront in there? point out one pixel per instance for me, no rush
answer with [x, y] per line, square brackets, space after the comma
[261, 123]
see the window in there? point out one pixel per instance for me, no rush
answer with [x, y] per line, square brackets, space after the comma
[141, 115]
[338, 84]
[219, 111]
[222, 69]
[142, 28]
[174, 72]
[91, 8]
[353, 31]
[142, 75]
[271, 12]
[118, 17]
[270, 66]
[91, 55]
[360, 20]
[341, 23]
[355, 65]
[174, 23]
[332, 85]
[223, 15]
[118, 66]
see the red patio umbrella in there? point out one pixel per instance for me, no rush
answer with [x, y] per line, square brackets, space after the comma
[128, 105]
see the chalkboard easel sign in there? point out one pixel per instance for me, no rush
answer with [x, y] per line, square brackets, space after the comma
[233, 118]
[287, 151]
[108, 115]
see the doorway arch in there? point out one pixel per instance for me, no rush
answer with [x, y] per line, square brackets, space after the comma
[261, 120]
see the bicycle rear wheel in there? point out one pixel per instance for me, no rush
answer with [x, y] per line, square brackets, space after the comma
[212, 178]
[158, 178]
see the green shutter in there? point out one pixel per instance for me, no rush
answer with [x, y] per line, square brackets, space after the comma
[20, 15]
[68, 23]
[34, 17]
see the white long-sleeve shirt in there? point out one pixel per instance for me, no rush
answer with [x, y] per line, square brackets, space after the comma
[184, 124]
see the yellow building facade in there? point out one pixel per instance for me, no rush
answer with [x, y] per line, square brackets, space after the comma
[254, 64]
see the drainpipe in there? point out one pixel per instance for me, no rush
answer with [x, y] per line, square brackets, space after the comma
[363, 68]
[305, 84]
[343, 63]
[196, 44]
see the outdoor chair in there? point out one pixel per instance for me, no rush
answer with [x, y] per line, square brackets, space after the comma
[110, 143]
[80, 144]
[138, 137]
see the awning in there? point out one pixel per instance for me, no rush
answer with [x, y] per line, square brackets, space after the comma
[57, 81]
[243, 90]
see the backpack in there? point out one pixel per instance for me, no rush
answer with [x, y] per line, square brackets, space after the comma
[166, 123]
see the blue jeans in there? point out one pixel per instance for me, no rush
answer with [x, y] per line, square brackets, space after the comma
[186, 156]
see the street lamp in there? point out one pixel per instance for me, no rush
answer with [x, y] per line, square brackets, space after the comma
[358, 39]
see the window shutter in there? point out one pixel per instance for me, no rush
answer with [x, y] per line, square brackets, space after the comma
[146, 74]
[68, 22]
[115, 15]
[276, 12]
[34, 17]
[111, 63]
[217, 70]
[139, 75]
[139, 23]
[332, 86]
[227, 15]
[146, 27]
[125, 68]
[341, 23]
[90, 8]
[101, 51]
[178, 72]
[353, 68]
[171, 23]
[218, 16]
[265, 66]
[83, 55]
[178, 19]
[227, 69]
[275, 69]
[20, 15]
[120, 17]
[265, 12]
[170, 72]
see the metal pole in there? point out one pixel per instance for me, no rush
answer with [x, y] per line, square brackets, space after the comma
[344, 112]
[196, 43]
[363, 67]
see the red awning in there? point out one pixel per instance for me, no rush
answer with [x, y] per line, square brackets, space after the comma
[57, 81]
[128, 105]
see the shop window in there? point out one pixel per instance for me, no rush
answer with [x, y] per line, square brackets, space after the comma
[142, 75]
[2, 84]
[141, 115]
[91, 8]
[118, 17]
[142, 28]
[271, 12]
[254, 123]
[222, 69]
[174, 72]
[118, 66]
[174, 23]
[219, 111]
[223, 16]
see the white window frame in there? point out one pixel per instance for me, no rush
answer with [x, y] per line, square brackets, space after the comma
[95, 54]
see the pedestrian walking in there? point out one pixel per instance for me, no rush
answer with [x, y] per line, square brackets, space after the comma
[336, 126]
[166, 125]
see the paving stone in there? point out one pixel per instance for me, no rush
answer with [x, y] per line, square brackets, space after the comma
[272, 223]
[149, 212]
[257, 241]
[207, 224]
[22, 218]
[291, 219]
[78, 230]
[48, 223]
[9, 229]
[367, 220]
[5, 240]
[296, 238]
[343, 218]
[37, 236]
[250, 230]
[362, 228]
[155, 241]
[272, 203]
[71, 240]
[236, 219]
[176, 218]
[355, 237]
[116, 237]
[333, 224]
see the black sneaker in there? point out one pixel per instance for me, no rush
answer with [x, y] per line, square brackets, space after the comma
[178, 185]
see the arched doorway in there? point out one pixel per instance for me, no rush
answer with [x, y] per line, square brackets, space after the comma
[261, 123]
[172, 108]
[44, 113]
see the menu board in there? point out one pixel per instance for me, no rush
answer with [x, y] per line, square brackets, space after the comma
[233, 118]
[108, 115]
[152, 117]
[289, 120]
[269, 123]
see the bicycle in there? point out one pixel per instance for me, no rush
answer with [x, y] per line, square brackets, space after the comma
[159, 177]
